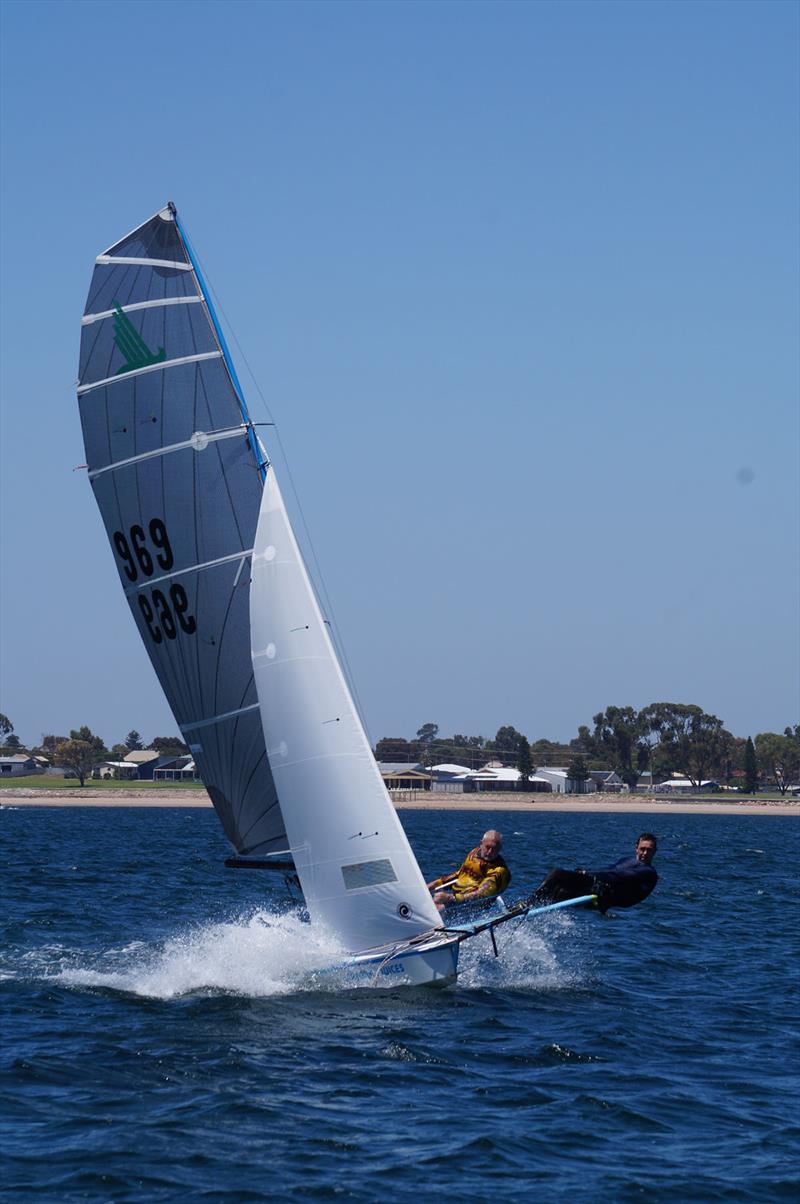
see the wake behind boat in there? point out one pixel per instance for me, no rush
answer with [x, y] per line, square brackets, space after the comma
[216, 583]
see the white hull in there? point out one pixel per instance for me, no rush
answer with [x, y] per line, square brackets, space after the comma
[428, 963]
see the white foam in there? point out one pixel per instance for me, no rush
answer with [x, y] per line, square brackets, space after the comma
[260, 954]
[266, 953]
[528, 958]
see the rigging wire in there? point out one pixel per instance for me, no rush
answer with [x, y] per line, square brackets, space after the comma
[322, 588]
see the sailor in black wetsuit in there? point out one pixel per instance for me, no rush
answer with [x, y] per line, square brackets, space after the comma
[623, 884]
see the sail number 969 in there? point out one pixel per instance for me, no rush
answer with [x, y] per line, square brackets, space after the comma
[165, 613]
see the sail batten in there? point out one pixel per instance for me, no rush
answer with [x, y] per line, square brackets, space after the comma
[161, 366]
[175, 476]
[215, 719]
[112, 260]
[204, 437]
[158, 303]
[193, 568]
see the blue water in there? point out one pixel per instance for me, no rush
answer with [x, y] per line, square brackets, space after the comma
[165, 1038]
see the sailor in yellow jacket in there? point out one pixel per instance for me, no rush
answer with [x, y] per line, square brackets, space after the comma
[483, 874]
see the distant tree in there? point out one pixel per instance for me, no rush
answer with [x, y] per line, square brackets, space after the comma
[85, 735]
[78, 756]
[168, 746]
[426, 735]
[549, 752]
[119, 752]
[133, 741]
[12, 743]
[464, 750]
[734, 758]
[507, 742]
[393, 748]
[50, 743]
[577, 771]
[468, 741]
[780, 756]
[6, 726]
[583, 744]
[750, 767]
[689, 739]
[617, 733]
[524, 761]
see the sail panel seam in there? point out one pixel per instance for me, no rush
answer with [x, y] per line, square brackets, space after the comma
[87, 319]
[210, 437]
[184, 359]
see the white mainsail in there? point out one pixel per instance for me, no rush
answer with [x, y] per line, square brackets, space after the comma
[358, 873]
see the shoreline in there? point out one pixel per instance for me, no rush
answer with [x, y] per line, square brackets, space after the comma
[609, 804]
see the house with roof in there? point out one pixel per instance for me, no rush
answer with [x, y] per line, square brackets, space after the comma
[19, 765]
[449, 778]
[606, 780]
[176, 769]
[398, 775]
[562, 783]
[114, 770]
[493, 776]
[681, 785]
[146, 761]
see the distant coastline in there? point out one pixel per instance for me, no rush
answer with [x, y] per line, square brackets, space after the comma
[610, 804]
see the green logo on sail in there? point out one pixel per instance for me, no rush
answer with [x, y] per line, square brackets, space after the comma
[131, 344]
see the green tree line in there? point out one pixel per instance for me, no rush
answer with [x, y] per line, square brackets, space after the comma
[81, 750]
[664, 738]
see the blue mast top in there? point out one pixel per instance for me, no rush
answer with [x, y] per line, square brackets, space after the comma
[221, 337]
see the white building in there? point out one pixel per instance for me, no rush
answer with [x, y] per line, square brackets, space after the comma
[108, 770]
[685, 786]
[562, 783]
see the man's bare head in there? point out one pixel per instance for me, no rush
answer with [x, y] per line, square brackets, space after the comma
[491, 845]
[646, 847]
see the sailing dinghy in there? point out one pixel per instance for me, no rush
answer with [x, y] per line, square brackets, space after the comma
[218, 589]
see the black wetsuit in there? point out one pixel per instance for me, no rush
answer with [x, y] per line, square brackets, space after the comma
[623, 884]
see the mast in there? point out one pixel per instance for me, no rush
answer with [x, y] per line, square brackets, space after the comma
[229, 364]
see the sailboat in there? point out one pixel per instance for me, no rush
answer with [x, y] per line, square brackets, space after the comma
[218, 589]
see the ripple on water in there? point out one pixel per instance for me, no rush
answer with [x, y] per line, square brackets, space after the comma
[169, 1034]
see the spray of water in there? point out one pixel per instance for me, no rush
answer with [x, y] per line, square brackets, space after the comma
[539, 955]
[266, 953]
[261, 954]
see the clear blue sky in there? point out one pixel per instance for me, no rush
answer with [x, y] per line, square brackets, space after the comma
[519, 283]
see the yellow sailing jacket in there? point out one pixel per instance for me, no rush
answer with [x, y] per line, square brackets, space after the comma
[476, 872]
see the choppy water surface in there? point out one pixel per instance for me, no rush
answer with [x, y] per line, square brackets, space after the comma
[166, 1036]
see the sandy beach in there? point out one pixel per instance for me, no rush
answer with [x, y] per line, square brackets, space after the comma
[606, 803]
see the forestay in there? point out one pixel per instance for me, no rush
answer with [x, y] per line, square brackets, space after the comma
[358, 873]
[175, 471]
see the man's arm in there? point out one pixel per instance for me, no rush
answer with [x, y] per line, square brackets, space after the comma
[444, 880]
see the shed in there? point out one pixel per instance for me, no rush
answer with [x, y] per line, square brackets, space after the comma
[18, 765]
[399, 775]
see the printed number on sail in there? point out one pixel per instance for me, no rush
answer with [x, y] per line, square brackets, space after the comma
[159, 612]
[156, 607]
[138, 541]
